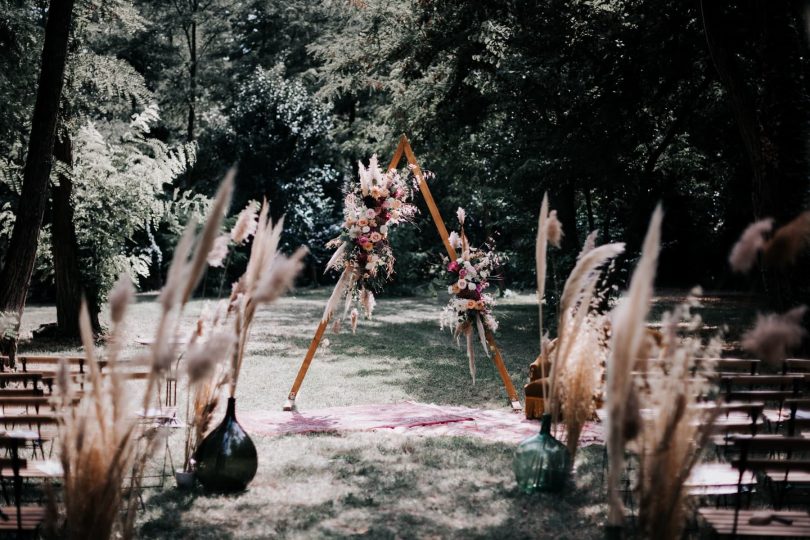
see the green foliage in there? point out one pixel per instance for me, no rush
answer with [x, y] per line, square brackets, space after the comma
[120, 198]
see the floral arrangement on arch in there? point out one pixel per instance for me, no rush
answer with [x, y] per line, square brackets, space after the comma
[469, 310]
[371, 208]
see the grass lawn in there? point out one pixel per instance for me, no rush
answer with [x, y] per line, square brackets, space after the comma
[371, 485]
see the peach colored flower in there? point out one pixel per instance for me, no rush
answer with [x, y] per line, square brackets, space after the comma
[376, 237]
[362, 222]
[471, 304]
[368, 246]
[480, 305]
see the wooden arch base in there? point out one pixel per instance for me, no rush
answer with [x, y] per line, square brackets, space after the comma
[404, 148]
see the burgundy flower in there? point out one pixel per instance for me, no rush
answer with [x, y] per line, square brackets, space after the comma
[453, 266]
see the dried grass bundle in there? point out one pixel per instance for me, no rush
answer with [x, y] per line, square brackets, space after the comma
[579, 378]
[780, 250]
[671, 440]
[208, 373]
[103, 447]
[626, 341]
[774, 335]
[269, 275]
[540, 254]
[575, 370]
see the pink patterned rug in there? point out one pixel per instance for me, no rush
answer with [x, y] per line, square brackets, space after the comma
[406, 417]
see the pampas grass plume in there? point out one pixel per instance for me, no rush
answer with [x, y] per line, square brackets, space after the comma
[555, 231]
[246, 224]
[744, 253]
[789, 241]
[219, 251]
[774, 335]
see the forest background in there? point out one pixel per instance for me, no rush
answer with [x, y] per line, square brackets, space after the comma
[610, 106]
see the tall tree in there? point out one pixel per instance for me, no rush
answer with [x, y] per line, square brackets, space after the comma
[19, 264]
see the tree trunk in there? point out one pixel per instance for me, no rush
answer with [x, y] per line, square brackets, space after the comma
[192, 81]
[65, 248]
[192, 91]
[15, 277]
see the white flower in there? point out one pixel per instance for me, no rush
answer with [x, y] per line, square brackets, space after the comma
[354, 232]
[455, 239]
[461, 215]
[471, 286]
[246, 224]
[450, 289]
[384, 229]
[370, 213]
[219, 250]
[366, 229]
[369, 266]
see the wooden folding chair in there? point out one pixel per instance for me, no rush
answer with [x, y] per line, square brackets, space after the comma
[737, 522]
[19, 519]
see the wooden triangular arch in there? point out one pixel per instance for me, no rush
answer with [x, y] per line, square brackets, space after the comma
[404, 149]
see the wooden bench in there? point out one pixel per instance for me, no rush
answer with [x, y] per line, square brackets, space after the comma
[796, 365]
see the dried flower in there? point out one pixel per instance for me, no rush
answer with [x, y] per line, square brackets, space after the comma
[119, 298]
[555, 232]
[774, 335]
[367, 301]
[246, 224]
[203, 357]
[354, 316]
[461, 214]
[744, 253]
[219, 251]
[280, 277]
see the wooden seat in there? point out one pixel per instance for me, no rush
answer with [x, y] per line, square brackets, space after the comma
[714, 479]
[724, 523]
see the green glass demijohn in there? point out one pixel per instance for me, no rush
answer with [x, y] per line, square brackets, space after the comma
[226, 459]
[541, 462]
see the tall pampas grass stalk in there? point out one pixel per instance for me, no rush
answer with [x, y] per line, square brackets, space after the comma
[102, 450]
[672, 440]
[626, 342]
[578, 344]
[540, 254]
[269, 275]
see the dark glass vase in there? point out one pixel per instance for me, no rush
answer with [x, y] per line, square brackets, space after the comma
[541, 463]
[226, 459]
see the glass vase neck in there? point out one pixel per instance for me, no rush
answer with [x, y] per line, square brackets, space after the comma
[545, 425]
[231, 411]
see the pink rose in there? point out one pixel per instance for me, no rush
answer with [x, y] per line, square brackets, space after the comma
[462, 273]
[453, 266]
[362, 240]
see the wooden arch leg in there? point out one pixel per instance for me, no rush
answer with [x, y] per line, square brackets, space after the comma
[514, 400]
[302, 371]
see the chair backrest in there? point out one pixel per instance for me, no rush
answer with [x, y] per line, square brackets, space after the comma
[796, 365]
[761, 387]
[748, 366]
